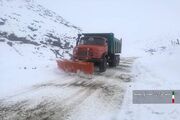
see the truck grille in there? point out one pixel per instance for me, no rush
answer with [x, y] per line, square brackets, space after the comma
[82, 52]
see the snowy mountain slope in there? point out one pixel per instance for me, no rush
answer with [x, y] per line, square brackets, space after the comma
[23, 22]
[31, 38]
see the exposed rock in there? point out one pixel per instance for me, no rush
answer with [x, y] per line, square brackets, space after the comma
[2, 21]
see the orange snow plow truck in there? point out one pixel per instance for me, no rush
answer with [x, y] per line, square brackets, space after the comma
[93, 49]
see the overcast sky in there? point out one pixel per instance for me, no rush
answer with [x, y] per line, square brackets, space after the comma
[131, 19]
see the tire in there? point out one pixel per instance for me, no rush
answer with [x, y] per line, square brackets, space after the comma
[103, 65]
[118, 60]
[114, 60]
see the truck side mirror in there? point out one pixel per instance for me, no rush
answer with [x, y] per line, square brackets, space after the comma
[106, 42]
[77, 41]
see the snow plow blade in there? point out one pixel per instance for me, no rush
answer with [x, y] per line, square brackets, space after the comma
[75, 66]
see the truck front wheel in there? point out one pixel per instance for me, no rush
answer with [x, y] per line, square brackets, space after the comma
[103, 65]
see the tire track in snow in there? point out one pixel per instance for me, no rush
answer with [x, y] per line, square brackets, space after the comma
[105, 89]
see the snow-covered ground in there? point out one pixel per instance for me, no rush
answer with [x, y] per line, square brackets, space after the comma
[66, 96]
[153, 72]
[46, 92]
[31, 87]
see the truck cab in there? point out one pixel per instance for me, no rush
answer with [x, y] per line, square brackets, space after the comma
[90, 48]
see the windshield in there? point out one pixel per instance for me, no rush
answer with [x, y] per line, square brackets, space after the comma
[91, 41]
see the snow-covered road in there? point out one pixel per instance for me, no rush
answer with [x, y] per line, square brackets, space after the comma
[71, 97]
[154, 72]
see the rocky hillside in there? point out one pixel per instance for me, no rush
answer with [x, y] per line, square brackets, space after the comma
[30, 29]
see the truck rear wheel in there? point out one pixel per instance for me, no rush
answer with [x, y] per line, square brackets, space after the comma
[103, 65]
[114, 60]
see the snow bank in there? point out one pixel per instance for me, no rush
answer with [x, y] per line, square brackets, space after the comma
[159, 71]
[19, 72]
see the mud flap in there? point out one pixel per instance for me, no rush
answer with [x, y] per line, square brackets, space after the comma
[76, 66]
